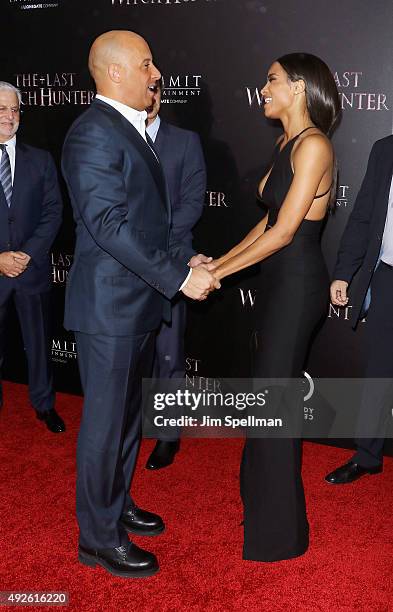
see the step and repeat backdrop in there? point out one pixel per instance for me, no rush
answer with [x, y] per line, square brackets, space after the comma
[214, 56]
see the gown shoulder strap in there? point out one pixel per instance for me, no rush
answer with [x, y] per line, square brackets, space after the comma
[310, 127]
[323, 194]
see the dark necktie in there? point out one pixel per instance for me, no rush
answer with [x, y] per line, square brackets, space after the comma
[5, 174]
[151, 145]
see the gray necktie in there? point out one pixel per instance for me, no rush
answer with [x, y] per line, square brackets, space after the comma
[5, 174]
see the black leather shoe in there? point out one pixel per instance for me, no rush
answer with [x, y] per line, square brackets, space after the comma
[52, 420]
[162, 455]
[141, 522]
[350, 472]
[125, 561]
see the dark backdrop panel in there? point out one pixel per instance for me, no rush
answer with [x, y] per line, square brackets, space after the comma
[214, 56]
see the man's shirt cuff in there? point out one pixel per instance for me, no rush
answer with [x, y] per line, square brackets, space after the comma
[184, 283]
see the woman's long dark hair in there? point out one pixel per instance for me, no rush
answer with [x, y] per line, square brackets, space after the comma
[322, 99]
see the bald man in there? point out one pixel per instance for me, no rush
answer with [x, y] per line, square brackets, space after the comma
[126, 269]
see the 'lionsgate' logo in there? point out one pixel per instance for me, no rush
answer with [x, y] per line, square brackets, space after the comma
[61, 264]
[349, 90]
[52, 89]
[179, 89]
[34, 4]
[63, 350]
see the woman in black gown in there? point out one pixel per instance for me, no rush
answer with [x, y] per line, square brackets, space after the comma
[300, 91]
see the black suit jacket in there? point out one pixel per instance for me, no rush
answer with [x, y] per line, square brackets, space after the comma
[361, 242]
[182, 158]
[125, 267]
[32, 221]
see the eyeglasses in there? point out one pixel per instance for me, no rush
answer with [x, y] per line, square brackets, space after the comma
[15, 110]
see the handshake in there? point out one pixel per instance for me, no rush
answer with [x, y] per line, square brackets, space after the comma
[13, 263]
[202, 280]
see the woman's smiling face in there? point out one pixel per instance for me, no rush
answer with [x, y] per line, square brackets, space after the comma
[278, 91]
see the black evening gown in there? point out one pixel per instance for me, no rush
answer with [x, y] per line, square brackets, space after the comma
[293, 299]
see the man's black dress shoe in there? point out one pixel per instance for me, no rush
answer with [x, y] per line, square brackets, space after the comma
[125, 561]
[163, 454]
[141, 522]
[350, 472]
[52, 420]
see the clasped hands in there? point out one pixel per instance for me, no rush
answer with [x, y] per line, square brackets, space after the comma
[202, 280]
[13, 263]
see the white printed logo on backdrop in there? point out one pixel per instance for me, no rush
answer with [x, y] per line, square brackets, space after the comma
[180, 88]
[52, 89]
[351, 89]
[61, 264]
[28, 5]
[63, 350]
[131, 3]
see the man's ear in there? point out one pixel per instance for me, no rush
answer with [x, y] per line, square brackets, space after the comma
[114, 71]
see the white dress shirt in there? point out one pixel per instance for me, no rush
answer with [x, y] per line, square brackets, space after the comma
[387, 239]
[153, 128]
[138, 120]
[11, 154]
[135, 117]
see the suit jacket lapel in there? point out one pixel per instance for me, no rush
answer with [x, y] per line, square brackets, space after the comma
[21, 175]
[161, 137]
[389, 178]
[386, 180]
[127, 129]
[158, 151]
[3, 201]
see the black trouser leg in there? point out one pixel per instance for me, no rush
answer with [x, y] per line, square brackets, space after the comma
[169, 360]
[34, 316]
[4, 302]
[109, 435]
[379, 349]
[133, 424]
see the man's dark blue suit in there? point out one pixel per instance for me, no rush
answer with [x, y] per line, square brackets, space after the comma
[181, 155]
[362, 238]
[30, 225]
[126, 269]
[360, 251]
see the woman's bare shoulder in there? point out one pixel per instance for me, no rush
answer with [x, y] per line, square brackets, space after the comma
[315, 144]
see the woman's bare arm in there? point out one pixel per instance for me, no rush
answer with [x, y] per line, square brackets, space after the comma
[253, 235]
[312, 160]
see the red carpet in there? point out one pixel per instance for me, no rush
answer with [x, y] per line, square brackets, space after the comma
[348, 567]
